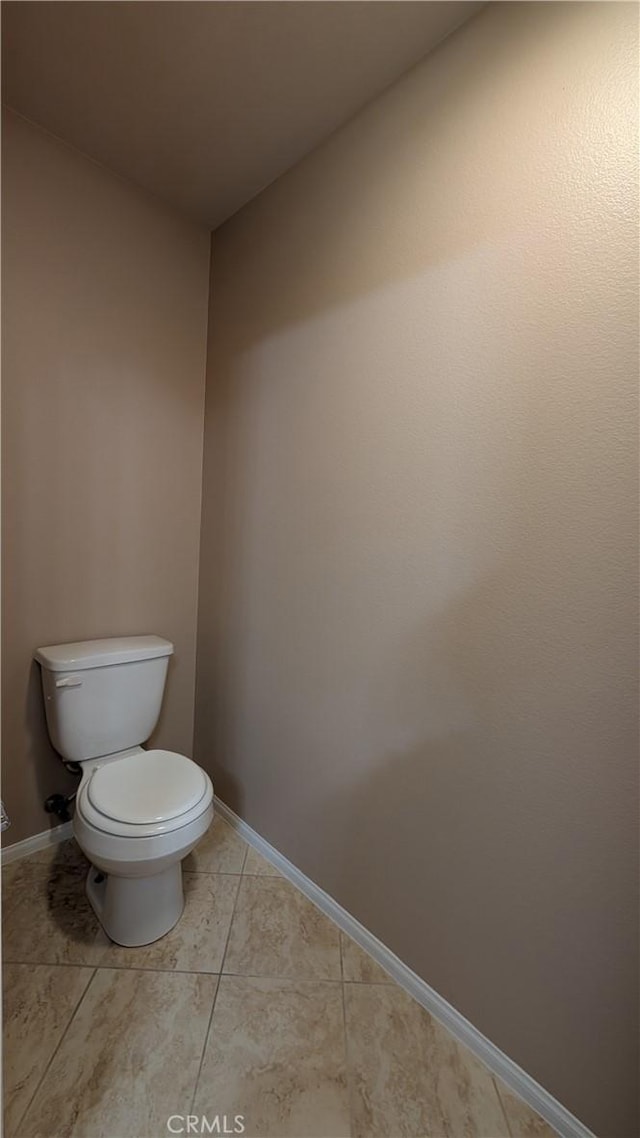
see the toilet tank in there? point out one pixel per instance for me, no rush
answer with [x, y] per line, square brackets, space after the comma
[103, 696]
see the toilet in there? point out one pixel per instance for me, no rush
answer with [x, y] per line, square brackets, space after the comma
[138, 812]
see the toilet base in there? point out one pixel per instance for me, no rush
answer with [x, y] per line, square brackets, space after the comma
[136, 910]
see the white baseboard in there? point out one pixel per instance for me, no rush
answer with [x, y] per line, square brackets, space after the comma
[37, 842]
[517, 1080]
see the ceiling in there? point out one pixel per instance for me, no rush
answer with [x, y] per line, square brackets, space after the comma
[205, 103]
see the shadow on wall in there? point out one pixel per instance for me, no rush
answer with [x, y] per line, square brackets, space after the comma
[501, 198]
[484, 855]
[48, 772]
[493, 851]
[431, 129]
[417, 650]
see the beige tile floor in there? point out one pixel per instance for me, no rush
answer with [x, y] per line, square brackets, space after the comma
[254, 1005]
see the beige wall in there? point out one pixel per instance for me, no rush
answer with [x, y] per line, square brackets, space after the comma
[104, 326]
[417, 670]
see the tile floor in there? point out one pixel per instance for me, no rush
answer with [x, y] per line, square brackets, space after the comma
[254, 1005]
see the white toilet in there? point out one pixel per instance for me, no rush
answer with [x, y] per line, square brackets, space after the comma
[138, 813]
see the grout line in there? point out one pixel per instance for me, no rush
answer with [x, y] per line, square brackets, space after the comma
[213, 873]
[231, 873]
[215, 998]
[233, 913]
[288, 979]
[34, 859]
[204, 1047]
[347, 1064]
[56, 1048]
[502, 1106]
[107, 964]
[269, 876]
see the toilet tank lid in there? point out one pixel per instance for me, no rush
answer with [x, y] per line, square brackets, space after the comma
[101, 653]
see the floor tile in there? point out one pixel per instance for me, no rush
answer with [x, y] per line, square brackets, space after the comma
[47, 918]
[358, 966]
[197, 942]
[60, 855]
[523, 1121]
[276, 1055]
[276, 1049]
[131, 1060]
[220, 851]
[277, 932]
[257, 864]
[38, 1003]
[408, 1077]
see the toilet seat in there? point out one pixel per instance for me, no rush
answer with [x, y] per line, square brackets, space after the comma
[144, 794]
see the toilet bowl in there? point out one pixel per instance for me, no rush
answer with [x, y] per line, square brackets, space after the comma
[138, 812]
[137, 816]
